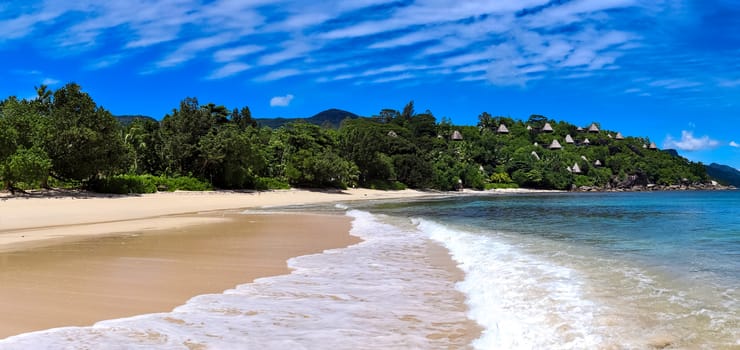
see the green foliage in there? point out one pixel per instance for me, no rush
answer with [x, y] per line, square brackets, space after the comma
[386, 185]
[124, 184]
[135, 184]
[66, 135]
[501, 178]
[269, 183]
[85, 140]
[491, 186]
[29, 166]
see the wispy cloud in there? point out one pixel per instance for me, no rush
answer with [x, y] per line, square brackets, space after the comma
[50, 81]
[192, 48]
[281, 101]
[278, 74]
[734, 144]
[689, 142]
[234, 53]
[504, 43]
[228, 70]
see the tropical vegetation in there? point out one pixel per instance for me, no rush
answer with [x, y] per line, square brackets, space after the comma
[63, 138]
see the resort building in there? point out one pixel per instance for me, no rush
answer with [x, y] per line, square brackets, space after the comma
[597, 163]
[569, 139]
[586, 142]
[555, 145]
[593, 128]
[547, 128]
[619, 136]
[576, 169]
[653, 145]
[456, 136]
[502, 129]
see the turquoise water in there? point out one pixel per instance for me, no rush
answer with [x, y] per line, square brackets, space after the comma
[541, 271]
[604, 270]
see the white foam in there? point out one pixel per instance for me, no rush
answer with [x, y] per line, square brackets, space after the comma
[379, 294]
[522, 301]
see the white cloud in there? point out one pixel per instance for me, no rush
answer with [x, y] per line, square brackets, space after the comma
[234, 53]
[190, 49]
[734, 144]
[690, 143]
[228, 70]
[50, 81]
[281, 101]
[279, 74]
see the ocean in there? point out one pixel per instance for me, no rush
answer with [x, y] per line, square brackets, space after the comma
[541, 271]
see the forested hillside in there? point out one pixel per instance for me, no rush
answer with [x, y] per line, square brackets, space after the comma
[64, 137]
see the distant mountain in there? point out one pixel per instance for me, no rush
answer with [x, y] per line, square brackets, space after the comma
[672, 152]
[329, 118]
[126, 120]
[724, 174]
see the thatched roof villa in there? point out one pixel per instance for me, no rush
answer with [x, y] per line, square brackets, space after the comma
[502, 129]
[619, 136]
[653, 145]
[593, 128]
[569, 139]
[576, 169]
[456, 136]
[555, 145]
[547, 128]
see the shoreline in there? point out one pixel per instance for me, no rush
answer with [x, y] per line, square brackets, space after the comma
[32, 222]
[83, 275]
[84, 281]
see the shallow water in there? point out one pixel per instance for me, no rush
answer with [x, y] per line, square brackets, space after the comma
[386, 292]
[582, 271]
[555, 271]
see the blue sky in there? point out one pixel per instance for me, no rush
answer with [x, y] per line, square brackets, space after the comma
[668, 70]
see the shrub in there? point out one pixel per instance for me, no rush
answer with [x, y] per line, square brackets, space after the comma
[124, 184]
[268, 183]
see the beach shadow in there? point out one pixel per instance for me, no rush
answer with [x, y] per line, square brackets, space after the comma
[59, 193]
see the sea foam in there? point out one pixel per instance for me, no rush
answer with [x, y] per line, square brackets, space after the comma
[381, 293]
[522, 301]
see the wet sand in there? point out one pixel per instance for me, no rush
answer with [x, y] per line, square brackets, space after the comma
[83, 280]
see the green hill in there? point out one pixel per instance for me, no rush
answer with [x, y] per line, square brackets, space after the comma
[126, 120]
[330, 118]
[724, 174]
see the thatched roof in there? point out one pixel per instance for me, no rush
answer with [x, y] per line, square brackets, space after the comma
[576, 169]
[593, 128]
[579, 129]
[569, 169]
[644, 145]
[586, 142]
[653, 145]
[569, 139]
[502, 129]
[535, 155]
[584, 158]
[597, 163]
[536, 144]
[555, 145]
[392, 134]
[619, 136]
[547, 128]
[529, 127]
[456, 136]
[610, 136]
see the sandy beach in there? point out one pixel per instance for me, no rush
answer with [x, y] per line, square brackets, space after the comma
[74, 261]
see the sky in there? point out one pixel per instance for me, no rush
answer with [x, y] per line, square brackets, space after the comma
[666, 70]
